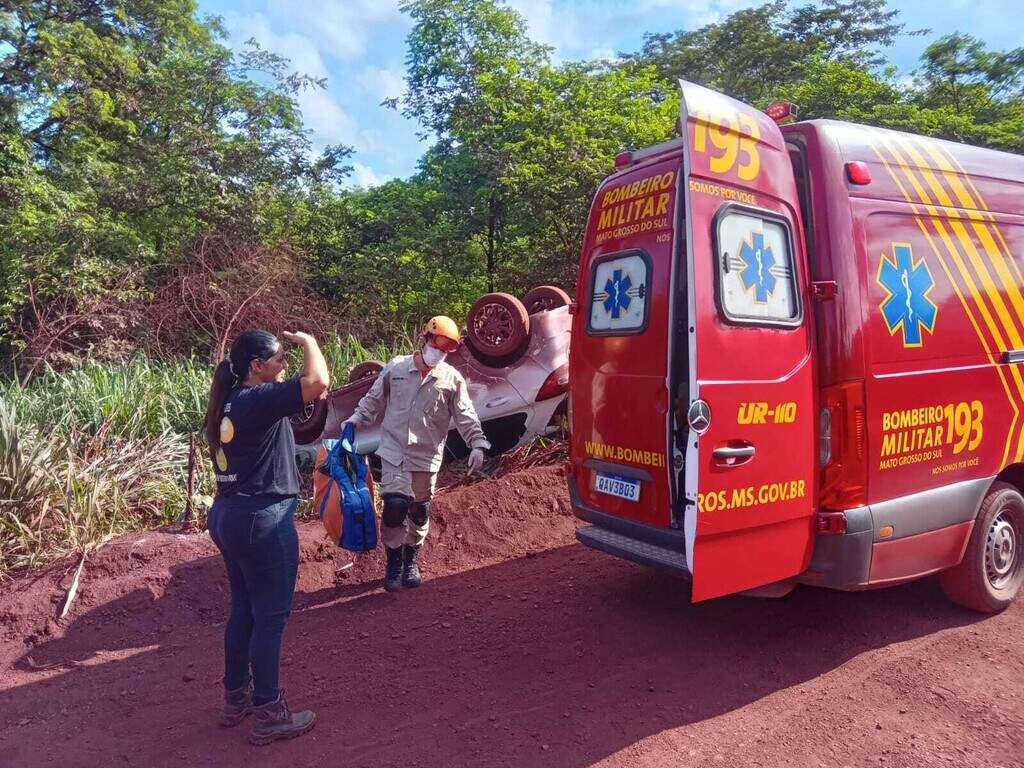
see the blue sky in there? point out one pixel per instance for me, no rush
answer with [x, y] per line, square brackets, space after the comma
[359, 46]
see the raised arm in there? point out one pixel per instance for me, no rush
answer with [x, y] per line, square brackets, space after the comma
[314, 378]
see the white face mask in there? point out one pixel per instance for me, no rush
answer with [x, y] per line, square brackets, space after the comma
[431, 355]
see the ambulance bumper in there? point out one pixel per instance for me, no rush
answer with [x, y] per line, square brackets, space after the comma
[662, 548]
[928, 532]
[843, 561]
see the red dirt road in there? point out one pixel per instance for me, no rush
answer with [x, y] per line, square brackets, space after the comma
[523, 649]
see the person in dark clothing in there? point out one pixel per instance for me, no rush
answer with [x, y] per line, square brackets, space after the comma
[251, 521]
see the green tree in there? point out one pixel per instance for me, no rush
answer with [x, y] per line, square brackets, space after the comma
[521, 143]
[572, 122]
[466, 63]
[130, 128]
[755, 52]
[849, 31]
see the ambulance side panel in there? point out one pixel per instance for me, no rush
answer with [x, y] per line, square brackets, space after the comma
[941, 293]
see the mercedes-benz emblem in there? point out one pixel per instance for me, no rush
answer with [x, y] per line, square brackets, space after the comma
[699, 416]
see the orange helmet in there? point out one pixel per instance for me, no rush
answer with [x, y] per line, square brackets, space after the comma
[444, 330]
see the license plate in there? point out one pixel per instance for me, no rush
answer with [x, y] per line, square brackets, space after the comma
[615, 485]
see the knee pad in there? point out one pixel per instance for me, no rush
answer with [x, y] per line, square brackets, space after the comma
[396, 507]
[419, 512]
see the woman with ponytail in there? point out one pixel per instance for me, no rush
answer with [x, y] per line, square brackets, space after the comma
[251, 521]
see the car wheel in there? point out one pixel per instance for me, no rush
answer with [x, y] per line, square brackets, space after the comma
[308, 424]
[990, 575]
[366, 370]
[545, 297]
[497, 329]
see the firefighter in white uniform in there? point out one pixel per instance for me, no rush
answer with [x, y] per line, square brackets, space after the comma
[420, 395]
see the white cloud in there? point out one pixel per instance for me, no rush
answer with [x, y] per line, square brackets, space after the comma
[382, 83]
[328, 121]
[342, 27]
[601, 52]
[539, 15]
[364, 177]
[582, 28]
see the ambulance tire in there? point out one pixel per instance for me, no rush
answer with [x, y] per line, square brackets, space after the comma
[992, 570]
[308, 424]
[365, 370]
[545, 297]
[497, 329]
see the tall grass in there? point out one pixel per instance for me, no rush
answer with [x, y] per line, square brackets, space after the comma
[103, 449]
[343, 354]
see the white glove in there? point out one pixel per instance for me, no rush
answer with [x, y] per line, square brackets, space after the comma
[476, 460]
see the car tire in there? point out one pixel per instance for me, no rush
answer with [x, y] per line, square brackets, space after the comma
[365, 370]
[545, 297]
[497, 329]
[992, 570]
[308, 424]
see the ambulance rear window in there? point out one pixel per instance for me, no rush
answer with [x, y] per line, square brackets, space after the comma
[618, 294]
[756, 284]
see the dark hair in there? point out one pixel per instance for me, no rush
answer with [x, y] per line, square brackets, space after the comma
[232, 371]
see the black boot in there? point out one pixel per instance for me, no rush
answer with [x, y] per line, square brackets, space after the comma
[393, 570]
[275, 721]
[411, 576]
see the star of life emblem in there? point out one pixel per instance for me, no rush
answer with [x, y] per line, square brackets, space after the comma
[907, 308]
[758, 260]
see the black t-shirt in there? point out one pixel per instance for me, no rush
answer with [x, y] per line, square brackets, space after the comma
[257, 446]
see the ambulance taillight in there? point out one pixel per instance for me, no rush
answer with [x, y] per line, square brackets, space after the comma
[843, 447]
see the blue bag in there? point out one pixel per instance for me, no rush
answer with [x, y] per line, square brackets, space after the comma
[343, 494]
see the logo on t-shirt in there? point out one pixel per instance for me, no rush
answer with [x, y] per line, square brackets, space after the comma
[227, 434]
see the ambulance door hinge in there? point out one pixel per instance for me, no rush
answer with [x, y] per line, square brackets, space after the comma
[824, 290]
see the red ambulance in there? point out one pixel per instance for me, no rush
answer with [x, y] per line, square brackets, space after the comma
[797, 358]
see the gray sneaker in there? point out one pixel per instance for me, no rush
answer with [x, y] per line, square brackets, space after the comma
[237, 704]
[274, 721]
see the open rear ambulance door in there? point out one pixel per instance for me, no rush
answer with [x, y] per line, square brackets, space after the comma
[751, 459]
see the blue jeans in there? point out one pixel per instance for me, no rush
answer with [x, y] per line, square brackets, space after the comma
[257, 537]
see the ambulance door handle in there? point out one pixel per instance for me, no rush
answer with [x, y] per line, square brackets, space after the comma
[736, 453]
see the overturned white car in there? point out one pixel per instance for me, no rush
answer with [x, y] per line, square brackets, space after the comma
[515, 359]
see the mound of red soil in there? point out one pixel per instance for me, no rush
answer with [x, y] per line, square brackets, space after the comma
[472, 525]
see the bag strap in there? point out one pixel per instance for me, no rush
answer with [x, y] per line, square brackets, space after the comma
[348, 458]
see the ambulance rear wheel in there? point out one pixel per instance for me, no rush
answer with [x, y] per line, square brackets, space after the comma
[308, 424]
[497, 329]
[992, 570]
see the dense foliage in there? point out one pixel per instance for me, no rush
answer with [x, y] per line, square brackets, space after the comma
[126, 130]
[129, 133]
